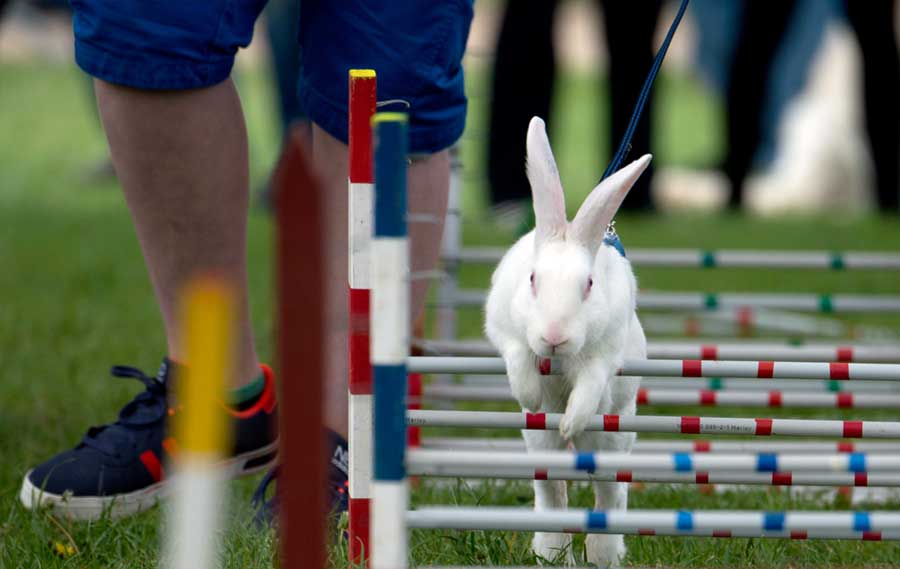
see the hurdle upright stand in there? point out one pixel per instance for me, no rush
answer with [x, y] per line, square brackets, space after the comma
[360, 195]
[390, 342]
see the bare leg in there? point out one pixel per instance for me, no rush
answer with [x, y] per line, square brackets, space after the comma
[181, 157]
[428, 181]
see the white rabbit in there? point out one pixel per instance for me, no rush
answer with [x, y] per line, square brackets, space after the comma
[561, 292]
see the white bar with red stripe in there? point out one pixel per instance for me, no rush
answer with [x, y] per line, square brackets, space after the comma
[660, 424]
[677, 368]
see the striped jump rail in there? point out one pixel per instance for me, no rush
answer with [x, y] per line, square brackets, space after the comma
[822, 303]
[701, 397]
[707, 351]
[824, 479]
[857, 462]
[681, 445]
[678, 368]
[760, 427]
[722, 384]
[863, 526]
[708, 259]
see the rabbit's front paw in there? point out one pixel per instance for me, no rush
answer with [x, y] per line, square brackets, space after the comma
[573, 423]
[528, 393]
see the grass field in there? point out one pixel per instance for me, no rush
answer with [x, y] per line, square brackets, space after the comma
[76, 300]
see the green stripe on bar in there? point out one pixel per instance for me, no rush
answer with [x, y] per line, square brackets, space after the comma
[715, 383]
[708, 259]
[837, 261]
[825, 304]
[834, 385]
[711, 301]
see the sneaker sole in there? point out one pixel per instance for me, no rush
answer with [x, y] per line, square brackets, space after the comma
[123, 505]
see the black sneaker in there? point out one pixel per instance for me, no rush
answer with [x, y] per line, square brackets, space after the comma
[119, 467]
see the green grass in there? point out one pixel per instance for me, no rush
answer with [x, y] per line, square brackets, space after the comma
[76, 300]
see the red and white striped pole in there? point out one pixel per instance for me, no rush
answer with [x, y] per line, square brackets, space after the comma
[361, 192]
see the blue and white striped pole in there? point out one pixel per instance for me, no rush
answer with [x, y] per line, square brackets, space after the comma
[390, 342]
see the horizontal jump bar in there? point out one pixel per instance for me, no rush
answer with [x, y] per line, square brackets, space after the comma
[829, 479]
[704, 397]
[867, 526]
[724, 384]
[656, 462]
[824, 303]
[724, 258]
[681, 445]
[709, 351]
[677, 368]
[659, 424]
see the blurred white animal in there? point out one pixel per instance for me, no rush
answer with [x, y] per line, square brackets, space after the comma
[561, 292]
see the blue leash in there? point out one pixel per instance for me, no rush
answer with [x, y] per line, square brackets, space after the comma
[625, 145]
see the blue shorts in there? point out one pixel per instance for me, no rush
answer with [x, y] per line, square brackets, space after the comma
[416, 48]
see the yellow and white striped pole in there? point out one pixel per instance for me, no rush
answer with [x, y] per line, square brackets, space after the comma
[200, 426]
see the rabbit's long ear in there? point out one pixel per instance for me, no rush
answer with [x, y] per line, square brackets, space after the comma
[546, 187]
[601, 205]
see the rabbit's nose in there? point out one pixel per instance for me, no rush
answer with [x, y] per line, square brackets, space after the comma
[554, 340]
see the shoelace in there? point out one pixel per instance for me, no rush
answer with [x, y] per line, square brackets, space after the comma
[147, 408]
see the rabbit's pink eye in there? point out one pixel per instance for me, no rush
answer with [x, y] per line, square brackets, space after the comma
[533, 289]
[532, 279]
[590, 282]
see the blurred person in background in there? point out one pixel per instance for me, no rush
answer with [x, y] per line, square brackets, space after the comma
[522, 87]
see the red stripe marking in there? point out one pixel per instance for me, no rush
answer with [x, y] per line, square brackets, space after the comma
[623, 476]
[702, 446]
[763, 427]
[774, 399]
[844, 400]
[782, 478]
[362, 107]
[853, 429]
[721, 533]
[642, 397]
[845, 446]
[702, 478]
[765, 370]
[611, 423]
[359, 528]
[707, 397]
[537, 421]
[799, 534]
[860, 479]
[845, 492]
[540, 475]
[745, 318]
[646, 532]
[544, 366]
[709, 352]
[838, 370]
[845, 354]
[691, 327]
[871, 536]
[690, 425]
[360, 365]
[414, 389]
[692, 368]
[151, 463]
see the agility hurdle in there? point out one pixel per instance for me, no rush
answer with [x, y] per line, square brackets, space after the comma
[865, 526]
[726, 258]
[681, 445]
[362, 96]
[686, 425]
[702, 397]
[300, 329]
[707, 351]
[857, 462]
[823, 303]
[679, 368]
[782, 478]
